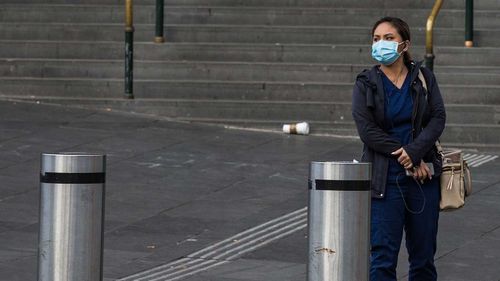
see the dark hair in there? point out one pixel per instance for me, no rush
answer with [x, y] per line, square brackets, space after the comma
[403, 29]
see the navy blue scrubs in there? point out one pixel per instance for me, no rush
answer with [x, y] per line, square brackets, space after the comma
[398, 111]
[417, 214]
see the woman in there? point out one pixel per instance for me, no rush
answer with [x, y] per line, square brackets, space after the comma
[399, 123]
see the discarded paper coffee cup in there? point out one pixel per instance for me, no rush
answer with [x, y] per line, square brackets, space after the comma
[298, 128]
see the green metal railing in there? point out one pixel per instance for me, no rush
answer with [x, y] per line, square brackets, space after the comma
[159, 38]
[129, 50]
[129, 42]
[469, 23]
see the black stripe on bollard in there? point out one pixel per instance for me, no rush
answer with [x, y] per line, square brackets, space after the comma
[72, 178]
[341, 185]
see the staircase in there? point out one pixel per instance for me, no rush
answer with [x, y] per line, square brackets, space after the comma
[247, 63]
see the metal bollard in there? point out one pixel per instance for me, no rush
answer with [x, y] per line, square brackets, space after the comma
[71, 216]
[339, 221]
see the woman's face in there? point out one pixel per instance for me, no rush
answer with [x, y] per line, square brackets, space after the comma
[385, 31]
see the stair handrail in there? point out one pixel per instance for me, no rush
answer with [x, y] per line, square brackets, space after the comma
[129, 50]
[159, 38]
[429, 28]
[469, 23]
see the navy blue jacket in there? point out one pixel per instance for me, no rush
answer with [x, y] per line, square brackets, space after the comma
[428, 122]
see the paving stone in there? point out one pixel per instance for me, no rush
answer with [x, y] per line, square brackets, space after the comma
[9, 226]
[12, 185]
[212, 209]
[175, 188]
[113, 258]
[27, 171]
[255, 270]
[8, 256]
[129, 211]
[476, 260]
[21, 269]
[19, 241]
[19, 212]
[128, 268]
[292, 249]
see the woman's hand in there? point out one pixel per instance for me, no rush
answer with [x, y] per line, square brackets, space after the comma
[422, 172]
[403, 158]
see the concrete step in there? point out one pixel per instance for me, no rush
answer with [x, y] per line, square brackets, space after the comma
[210, 111]
[338, 115]
[290, 53]
[472, 114]
[67, 50]
[174, 89]
[331, 112]
[242, 15]
[232, 33]
[222, 90]
[261, 110]
[300, 69]
[451, 4]
[228, 71]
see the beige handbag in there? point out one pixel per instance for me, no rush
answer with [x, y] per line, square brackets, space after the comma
[456, 181]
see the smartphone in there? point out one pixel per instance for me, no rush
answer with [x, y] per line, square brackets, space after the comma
[431, 168]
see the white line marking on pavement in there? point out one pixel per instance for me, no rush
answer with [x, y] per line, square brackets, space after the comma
[479, 159]
[215, 256]
[180, 268]
[470, 157]
[209, 264]
[300, 227]
[485, 161]
[199, 263]
[246, 232]
[196, 271]
[226, 250]
[244, 242]
[476, 160]
[288, 223]
[270, 234]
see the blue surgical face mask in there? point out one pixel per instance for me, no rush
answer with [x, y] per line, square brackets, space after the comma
[386, 52]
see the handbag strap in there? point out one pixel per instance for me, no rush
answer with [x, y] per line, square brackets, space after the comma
[449, 186]
[439, 148]
[422, 79]
[424, 85]
[468, 183]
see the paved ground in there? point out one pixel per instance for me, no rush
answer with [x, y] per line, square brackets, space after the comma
[174, 188]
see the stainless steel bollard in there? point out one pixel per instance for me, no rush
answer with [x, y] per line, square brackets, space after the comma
[339, 221]
[71, 217]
